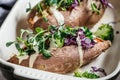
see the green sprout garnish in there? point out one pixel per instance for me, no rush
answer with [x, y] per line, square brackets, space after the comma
[94, 8]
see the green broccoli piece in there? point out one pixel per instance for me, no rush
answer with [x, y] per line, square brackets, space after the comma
[86, 74]
[105, 32]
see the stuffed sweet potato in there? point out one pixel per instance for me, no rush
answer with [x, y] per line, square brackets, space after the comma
[58, 49]
[64, 59]
[69, 12]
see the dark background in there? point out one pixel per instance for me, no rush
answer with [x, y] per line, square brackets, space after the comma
[5, 7]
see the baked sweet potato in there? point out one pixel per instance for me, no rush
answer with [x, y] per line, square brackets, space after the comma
[65, 59]
[87, 13]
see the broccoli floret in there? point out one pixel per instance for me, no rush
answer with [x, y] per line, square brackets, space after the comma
[105, 32]
[86, 74]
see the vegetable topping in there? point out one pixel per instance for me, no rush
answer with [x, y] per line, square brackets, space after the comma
[42, 41]
[95, 69]
[66, 5]
[55, 37]
[85, 36]
[86, 74]
[106, 3]
[62, 4]
[90, 75]
[105, 32]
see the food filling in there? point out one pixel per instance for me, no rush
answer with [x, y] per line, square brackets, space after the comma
[54, 7]
[54, 37]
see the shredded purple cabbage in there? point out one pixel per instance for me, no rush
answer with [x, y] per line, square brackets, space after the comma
[106, 3]
[75, 3]
[70, 40]
[86, 43]
[95, 69]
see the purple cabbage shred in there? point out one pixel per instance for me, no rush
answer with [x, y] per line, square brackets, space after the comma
[75, 3]
[70, 40]
[86, 43]
[106, 3]
[95, 69]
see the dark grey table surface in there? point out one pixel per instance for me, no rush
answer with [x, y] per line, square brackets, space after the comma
[5, 7]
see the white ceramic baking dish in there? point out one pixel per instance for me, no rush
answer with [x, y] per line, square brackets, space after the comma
[109, 60]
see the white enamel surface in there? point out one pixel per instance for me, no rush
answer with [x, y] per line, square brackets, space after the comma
[109, 60]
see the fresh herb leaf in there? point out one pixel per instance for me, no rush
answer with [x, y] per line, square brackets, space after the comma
[61, 4]
[88, 33]
[38, 29]
[71, 31]
[45, 19]
[29, 8]
[68, 31]
[69, 2]
[51, 2]
[94, 8]
[30, 51]
[59, 40]
[52, 29]
[18, 47]
[39, 8]
[63, 9]
[24, 31]
[42, 12]
[79, 1]
[66, 4]
[30, 40]
[46, 53]
[19, 39]
[42, 48]
[39, 36]
[9, 44]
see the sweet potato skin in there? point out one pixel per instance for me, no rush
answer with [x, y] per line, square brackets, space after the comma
[66, 59]
[79, 16]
